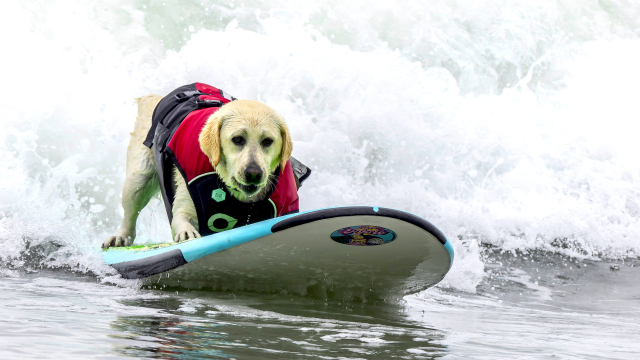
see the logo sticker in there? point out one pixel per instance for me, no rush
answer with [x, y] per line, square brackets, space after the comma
[221, 222]
[363, 235]
[218, 195]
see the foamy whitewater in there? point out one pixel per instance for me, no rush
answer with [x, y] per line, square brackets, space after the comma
[510, 125]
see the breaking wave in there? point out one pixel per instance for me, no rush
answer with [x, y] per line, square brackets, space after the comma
[506, 124]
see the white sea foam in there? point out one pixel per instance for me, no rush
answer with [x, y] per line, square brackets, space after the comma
[503, 123]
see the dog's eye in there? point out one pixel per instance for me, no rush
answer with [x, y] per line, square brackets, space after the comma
[238, 140]
[267, 142]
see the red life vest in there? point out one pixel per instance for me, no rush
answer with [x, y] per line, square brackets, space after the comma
[177, 122]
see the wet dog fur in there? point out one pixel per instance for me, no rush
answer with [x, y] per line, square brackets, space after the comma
[244, 140]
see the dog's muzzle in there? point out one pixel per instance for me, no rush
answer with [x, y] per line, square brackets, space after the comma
[253, 174]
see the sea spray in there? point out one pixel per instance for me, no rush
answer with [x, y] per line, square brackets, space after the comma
[509, 124]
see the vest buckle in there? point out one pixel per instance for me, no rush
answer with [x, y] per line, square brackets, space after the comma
[202, 104]
[187, 94]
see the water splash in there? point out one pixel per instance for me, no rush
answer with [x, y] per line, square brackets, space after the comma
[504, 123]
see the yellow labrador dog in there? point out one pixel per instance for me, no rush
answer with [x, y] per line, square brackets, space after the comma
[246, 148]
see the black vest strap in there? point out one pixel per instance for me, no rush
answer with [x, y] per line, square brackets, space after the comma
[166, 105]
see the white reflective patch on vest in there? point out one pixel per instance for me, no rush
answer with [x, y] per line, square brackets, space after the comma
[231, 222]
[226, 96]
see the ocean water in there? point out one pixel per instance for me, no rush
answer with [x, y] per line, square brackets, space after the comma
[510, 125]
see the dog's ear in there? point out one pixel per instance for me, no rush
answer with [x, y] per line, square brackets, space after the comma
[210, 138]
[287, 145]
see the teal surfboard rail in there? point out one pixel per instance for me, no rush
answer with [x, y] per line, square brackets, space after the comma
[197, 248]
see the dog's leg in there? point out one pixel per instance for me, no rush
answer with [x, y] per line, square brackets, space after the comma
[185, 218]
[141, 182]
[139, 187]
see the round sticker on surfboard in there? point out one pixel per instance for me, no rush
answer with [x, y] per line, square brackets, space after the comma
[363, 235]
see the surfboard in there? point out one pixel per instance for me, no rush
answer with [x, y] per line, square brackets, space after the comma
[345, 252]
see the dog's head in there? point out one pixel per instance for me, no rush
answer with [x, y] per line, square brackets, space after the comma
[246, 141]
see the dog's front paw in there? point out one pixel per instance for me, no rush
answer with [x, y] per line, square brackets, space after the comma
[117, 241]
[186, 235]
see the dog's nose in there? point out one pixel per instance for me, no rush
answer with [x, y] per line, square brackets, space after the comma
[253, 174]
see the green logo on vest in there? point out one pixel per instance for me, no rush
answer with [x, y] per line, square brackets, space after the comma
[218, 195]
[221, 222]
